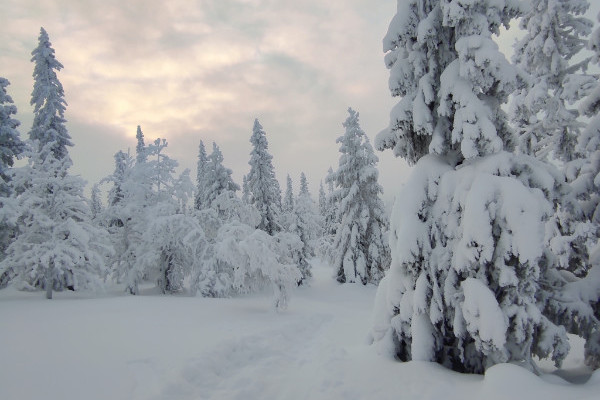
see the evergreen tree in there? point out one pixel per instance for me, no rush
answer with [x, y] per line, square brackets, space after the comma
[288, 199]
[555, 34]
[48, 101]
[11, 145]
[586, 188]
[361, 252]
[123, 163]
[265, 193]
[153, 196]
[57, 247]
[306, 225]
[467, 235]
[322, 201]
[95, 203]
[217, 179]
[245, 190]
[331, 220]
[140, 148]
[304, 185]
[200, 176]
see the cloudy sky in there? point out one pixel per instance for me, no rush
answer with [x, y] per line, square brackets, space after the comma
[187, 70]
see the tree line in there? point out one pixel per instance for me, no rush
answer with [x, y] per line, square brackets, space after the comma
[156, 226]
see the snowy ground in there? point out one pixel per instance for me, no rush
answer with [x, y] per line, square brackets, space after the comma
[175, 347]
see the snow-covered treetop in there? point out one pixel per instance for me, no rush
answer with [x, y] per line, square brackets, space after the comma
[48, 100]
[288, 199]
[140, 148]
[554, 27]
[451, 76]
[217, 178]
[304, 185]
[555, 33]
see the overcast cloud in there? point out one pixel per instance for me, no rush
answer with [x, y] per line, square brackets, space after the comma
[192, 70]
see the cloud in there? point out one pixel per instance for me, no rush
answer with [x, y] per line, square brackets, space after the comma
[191, 70]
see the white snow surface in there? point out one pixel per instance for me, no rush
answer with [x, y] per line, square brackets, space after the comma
[114, 346]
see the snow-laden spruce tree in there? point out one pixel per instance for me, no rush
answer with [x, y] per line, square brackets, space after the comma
[555, 33]
[245, 190]
[265, 193]
[586, 187]
[288, 198]
[468, 231]
[313, 221]
[57, 247]
[217, 179]
[154, 199]
[322, 201]
[201, 168]
[325, 248]
[48, 101]
[123, 163]
[11, 146]
[140, 149]
[361, 251]
[96, 207]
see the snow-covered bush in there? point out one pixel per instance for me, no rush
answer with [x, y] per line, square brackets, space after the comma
[171, 247]
[245, 260]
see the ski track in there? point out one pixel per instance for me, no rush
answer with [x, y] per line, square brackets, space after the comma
[230, 370]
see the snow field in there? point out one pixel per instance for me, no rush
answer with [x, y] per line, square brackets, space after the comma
[175, 347]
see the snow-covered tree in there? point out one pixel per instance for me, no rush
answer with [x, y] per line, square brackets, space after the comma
[123, 163]
[58, 247]
[586, 229]
[305, 223]
[468, 234]
[145, 203]
[11, 145]
[152, 192]
[201, 169]
[217, 178]
[288, 199]
[555, 33]
[96, 207]
[361, 252]
[48, 101]
[265, 193]
[140, 148]
[330, 223]
[170, 248]
[304, 185]
[255, 259]
[322, 201]
[245, 190]
[416, 59]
